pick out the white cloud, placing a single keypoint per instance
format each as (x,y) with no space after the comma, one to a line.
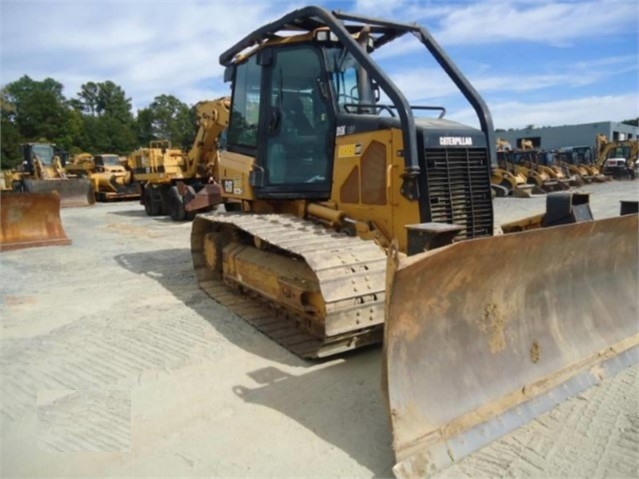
(425,83)
(148,48)
(519,114)
(495,21)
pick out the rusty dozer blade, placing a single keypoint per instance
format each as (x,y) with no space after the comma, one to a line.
(30,220)
(210,195)
(73,192)
(484,335)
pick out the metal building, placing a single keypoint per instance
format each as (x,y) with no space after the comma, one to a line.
(554,137)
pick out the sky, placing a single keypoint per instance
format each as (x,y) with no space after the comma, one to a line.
(535,62)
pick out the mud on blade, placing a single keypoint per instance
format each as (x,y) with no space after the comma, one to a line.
(484,335)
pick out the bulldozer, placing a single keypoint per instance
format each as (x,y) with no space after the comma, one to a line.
(171,179)
(33,195)
(109,178)
(42,171)
(349,222)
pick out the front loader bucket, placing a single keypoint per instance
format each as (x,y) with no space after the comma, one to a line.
(73,192)
(484,335)
(29,220)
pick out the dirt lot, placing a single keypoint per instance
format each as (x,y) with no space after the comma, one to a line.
(114,363)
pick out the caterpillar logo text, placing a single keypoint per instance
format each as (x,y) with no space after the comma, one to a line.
(455,141)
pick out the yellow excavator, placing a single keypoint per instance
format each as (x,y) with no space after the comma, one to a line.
(618,158)
(350,221)
(171,179)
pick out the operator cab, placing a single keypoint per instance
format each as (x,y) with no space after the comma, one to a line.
(42,151)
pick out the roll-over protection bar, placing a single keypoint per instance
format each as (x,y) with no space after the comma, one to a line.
(313,17)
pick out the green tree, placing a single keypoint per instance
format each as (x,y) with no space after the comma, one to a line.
(144,126)
(41,111)
(10,138)
(166,118)
(108,126)
(112,102)
(88,98)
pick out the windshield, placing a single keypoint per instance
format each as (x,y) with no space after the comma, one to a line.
(44,153)
(110,160)
(619,152)
(346,83)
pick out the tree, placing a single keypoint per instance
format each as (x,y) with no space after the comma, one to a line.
(112,101)
(108,126)
(144,126)
(41,110)
(169,118)
(9,136)
(88,98)
(632,122)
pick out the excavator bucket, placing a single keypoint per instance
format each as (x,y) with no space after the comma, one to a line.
(30,220)
(73,192)
(484,335)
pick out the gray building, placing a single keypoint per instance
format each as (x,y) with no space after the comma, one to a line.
(554,137)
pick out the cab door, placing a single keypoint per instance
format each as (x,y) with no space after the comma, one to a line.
(295,147)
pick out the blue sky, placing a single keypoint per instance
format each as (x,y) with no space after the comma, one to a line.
(539,62)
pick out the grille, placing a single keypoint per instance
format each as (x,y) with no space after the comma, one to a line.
(458,186)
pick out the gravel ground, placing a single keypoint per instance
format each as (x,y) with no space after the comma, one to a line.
(114,363)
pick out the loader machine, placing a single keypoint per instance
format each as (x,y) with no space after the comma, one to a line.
(110,179)
(43,171)
(351,220)
(33,195)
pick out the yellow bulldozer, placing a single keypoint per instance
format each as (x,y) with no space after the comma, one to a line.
(109,178)
(171,179)
(42,171)
(32,196)
(350,221)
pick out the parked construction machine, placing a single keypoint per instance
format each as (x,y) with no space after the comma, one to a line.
(359,221)
(579,160)
(171,179)
(32,196)
(42,171)
(109,178)
(619,158)
(505,179)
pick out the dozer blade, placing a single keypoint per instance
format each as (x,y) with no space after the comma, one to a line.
(523,191)
(30,220)
(73,192)
(484,335)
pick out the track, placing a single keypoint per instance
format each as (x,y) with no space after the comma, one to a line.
(350,274)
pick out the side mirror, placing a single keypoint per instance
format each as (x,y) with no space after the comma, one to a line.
(229,73)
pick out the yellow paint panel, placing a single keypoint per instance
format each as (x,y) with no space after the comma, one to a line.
(346,151)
